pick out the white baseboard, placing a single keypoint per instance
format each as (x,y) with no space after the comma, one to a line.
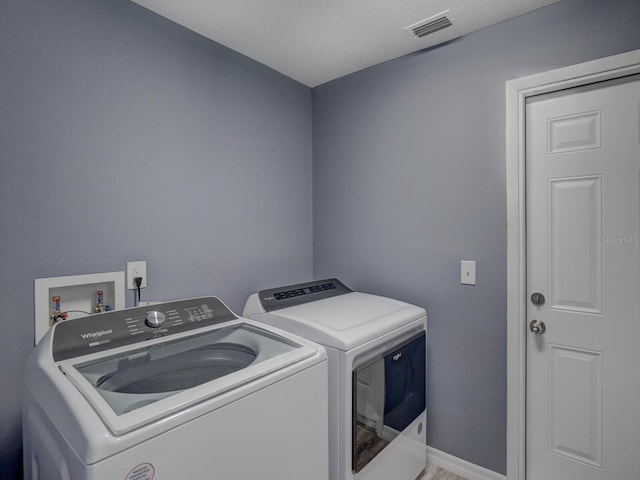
(461,467)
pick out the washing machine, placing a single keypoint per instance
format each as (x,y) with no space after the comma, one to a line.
(183,389)
(376,348)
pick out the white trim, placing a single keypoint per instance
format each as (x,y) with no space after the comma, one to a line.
(456,465)
(517,92)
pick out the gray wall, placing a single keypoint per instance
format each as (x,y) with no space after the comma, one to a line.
(125,137)
(409,179)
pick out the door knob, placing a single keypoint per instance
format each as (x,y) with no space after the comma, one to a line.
(537,327)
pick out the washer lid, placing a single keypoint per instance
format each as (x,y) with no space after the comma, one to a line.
(130,388)
(345,321)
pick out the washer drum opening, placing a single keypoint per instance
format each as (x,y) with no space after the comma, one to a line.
(178,372)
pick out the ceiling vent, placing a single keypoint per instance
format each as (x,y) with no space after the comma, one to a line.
(430,25)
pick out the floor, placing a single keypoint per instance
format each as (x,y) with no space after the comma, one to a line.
(436,473)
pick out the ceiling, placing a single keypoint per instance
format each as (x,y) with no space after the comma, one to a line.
(315,41)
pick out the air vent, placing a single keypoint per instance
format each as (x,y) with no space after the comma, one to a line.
(430,25)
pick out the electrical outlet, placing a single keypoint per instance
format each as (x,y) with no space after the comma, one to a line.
(136,269)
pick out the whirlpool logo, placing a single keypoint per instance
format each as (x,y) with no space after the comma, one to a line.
(96,334)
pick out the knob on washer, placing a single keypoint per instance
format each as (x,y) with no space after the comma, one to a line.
(155,319)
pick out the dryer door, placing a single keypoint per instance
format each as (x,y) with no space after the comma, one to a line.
(388,395)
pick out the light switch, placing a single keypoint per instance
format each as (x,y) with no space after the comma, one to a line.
(467,272)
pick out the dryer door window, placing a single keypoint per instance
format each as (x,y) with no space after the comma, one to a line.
(388,394)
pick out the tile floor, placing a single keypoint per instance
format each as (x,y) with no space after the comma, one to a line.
(436,473)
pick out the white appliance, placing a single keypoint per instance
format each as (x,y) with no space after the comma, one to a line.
(377,373)
(184,389)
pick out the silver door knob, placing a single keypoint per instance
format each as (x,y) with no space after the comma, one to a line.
(537,327)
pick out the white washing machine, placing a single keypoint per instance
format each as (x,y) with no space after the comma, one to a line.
(377,373)
(185,390)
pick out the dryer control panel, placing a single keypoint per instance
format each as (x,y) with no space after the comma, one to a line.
(96,333)
(289,296)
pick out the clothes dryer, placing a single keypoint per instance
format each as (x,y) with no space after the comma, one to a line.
(377,373)
(184,389)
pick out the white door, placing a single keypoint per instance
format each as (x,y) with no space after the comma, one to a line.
(583,256)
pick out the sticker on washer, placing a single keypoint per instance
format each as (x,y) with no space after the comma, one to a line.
(144,471)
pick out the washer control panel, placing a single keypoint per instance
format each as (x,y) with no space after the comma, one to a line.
(103,331)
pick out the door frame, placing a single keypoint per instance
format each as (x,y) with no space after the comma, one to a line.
(517,92)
